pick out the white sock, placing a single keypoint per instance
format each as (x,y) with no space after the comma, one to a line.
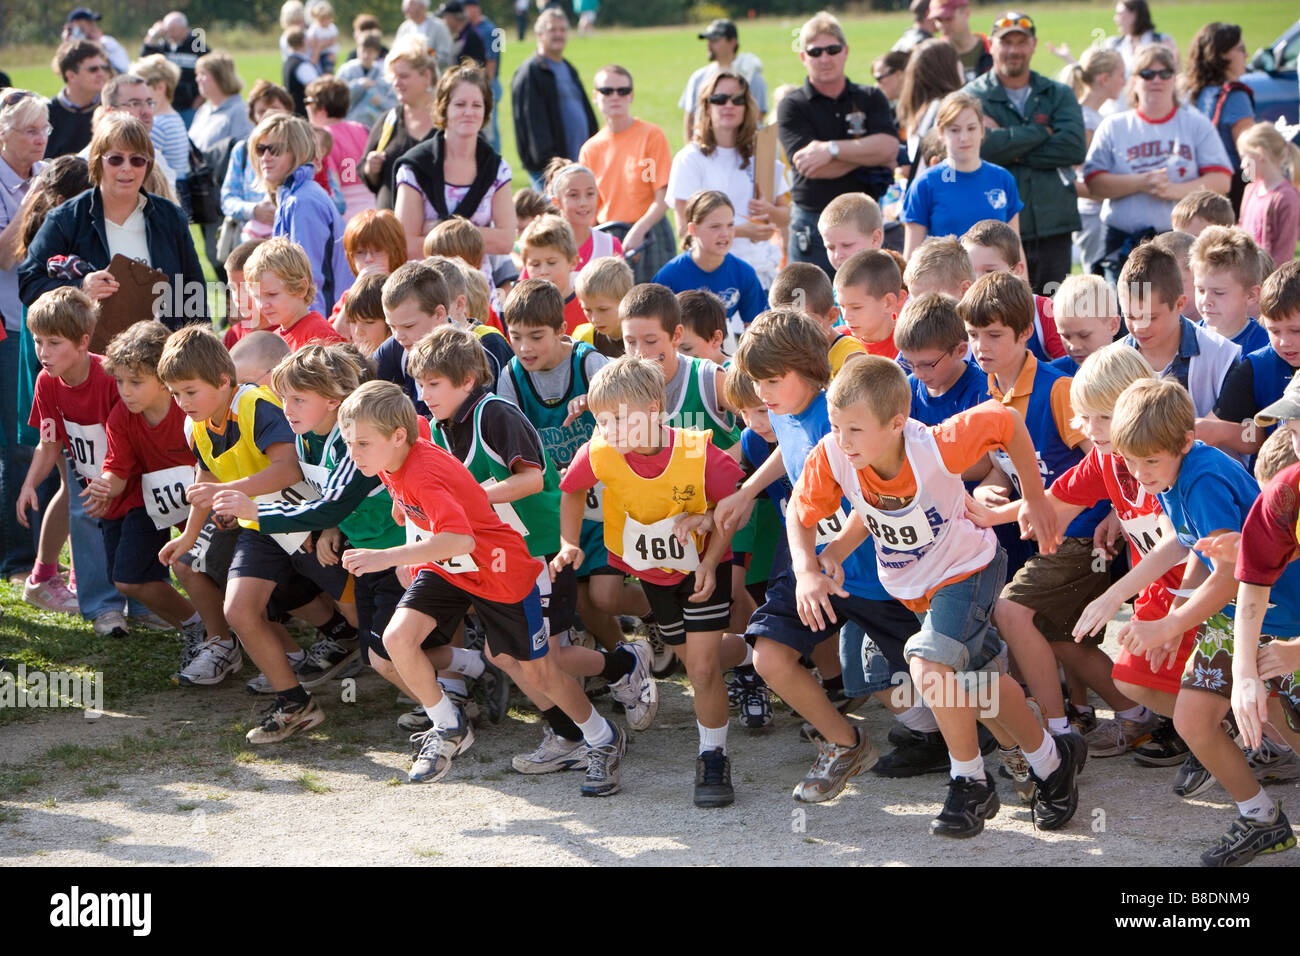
(970,769)
(749,656)
(1058,725)
(192,619)
(469,663)
(1043,761)
(712,738)
(919,718)
(297,657)
(1136,713)
(1260,808)
(597,731)
(444,714)
(451,685)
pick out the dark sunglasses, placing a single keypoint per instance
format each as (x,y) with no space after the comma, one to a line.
(117,159)
(735,99)
(882,76)
(14,97)
(834,49)
(275,149)
(1162,74)
(97,68)
(614,90)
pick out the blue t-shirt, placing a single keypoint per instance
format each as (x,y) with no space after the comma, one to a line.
(797,435)
(734,282)
(967,392)
(1066,364)
(572,115)
(948,202)
(1251,338)
(756,451)
(1237,106)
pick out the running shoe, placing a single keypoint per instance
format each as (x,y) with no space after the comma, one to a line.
(1192,778)
(605,766)
(52,594)
(434,749)
(554,753)
(215,661)
(713,779)
(326,659)
(969,804)
(1163,748)
(636,690)
(1056,798)
(1270,764)
(834,767)
(1247,839)
(110,624)
(1118,735)
(283,719)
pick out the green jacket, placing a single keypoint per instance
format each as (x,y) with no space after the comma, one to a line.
(1041,161)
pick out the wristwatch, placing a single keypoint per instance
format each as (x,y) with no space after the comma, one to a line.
(833,148)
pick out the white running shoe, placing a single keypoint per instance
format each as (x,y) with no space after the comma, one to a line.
(636,690)
(554,753)
(110,624)
(193,637)
(213,664)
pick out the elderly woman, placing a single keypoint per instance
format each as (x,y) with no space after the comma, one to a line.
(1145,159)
(115,217)
(222,114)
(327,107)
(242,197)
(286,154)
(24,131)
(455,172)
(720,157)
(412,73)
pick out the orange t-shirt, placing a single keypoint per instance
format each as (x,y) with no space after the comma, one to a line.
(630,167)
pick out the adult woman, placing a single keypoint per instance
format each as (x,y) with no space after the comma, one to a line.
(1136,30)
(411,72)
(222,114)
(286,152)
(242,197)
(24,131)
(327,104)
(168,131)
(1095,79)
(1216,60)
(1145,159)
(455,172)
(932,72)
(720,157)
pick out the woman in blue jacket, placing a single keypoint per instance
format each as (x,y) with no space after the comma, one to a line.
(284,149)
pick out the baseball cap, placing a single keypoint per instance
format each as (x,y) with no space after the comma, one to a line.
(719,29)
(1013,22)
(1286,408)
(451,6)
(946,8)
(83,13)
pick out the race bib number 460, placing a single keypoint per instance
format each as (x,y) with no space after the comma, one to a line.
(647,546)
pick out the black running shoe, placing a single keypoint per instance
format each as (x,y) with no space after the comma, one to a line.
(914,755)
(1192,778)
(1056,798)
(1074,744)
(713,779)
(969,804)
(1247,839)
(1164,748)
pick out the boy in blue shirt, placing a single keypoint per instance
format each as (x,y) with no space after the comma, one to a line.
(1225,274)
(932,339)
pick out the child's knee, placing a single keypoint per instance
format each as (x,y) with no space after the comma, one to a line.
(128,589)
(1009,612)
(1197,714)
(773,660)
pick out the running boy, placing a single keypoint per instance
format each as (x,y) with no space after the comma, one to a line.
(806,287)
(869,288)
(1087,316)
(550,252)
(851,222)
(279,280)
(601,285)
(932,339)
(1226,273)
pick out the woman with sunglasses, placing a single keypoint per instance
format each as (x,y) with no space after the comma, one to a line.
(720,157)
(1216,62)
(1142,161)
(284,149)
(117,217)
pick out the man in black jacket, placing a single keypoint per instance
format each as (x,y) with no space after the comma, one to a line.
(172,37)
(552,114)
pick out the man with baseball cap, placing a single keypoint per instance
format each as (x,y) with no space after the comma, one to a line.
(952,19)
(1034,129)
(82,23)
(724,47)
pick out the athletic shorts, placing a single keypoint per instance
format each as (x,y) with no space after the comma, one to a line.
(515,630)
(257,555)
(559,597)
(132,543)
(1211,668)
(378,594)
(678,616)
(213,551)
(1057,587)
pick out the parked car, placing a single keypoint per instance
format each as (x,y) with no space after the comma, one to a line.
(1273,78)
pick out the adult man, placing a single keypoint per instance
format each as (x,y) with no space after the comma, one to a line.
(839,136)
(631,161)
(1035,130)
(724,46)
(437,38)
(83,23)
(129,93)
(922,27)
(465,41)
(83,65)
(552,114)
(952,18)
(493,41)
(173,38)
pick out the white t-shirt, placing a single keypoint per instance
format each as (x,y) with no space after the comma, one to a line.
(129,238)
(693,171)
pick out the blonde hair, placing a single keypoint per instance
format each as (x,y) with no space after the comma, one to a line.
(450,353)
(1104,375)
(156,68)
(457,238)
(262,349)
(1205,204)
(194,353)
(629,381)
(785,340)
(1086,297)
(876,382)
(819,23)
(116,130)
(550,232)
(852,209)
(452,276)
(1227,247)
(292,133)
(27,110)
(1152,416)
(384,407)
(1149,54)
(1096,62)
(738,389)
(325,370)
(1265,138)
(1277,452)
(608,276)
(66,312)
(943,262)
(219,65)
(411,51)
(286,260)
(954,104)
(478,291)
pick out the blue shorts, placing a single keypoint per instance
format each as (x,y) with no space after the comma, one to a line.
(958,628)
(515,630)
(133,543)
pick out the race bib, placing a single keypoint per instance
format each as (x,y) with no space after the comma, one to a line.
(87,443)
(164,494)
(647,546)
(1143,532)
(316,476)
(456,564)
(906,532)
(593,508)
(1004,462)
(294,495)
(830,526)
(506,511)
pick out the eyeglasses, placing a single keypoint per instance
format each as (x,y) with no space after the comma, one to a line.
(735,99)
(37,132)
(1023,23)
(1161,74)
(275,149)
(614,90)
(150,103)
(96,68)
(883,76)
(834,49)
(930,366)
(117,159)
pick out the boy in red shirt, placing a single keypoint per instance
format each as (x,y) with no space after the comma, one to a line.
(278,275)
(458,552)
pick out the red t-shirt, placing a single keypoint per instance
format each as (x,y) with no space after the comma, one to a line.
(1101,476)
(721,475)
(135,447)
(1268,537)
(885,348)
(234,334)
(311,328)
(1046,326)
(573,314)
(85,407)
(438,494)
